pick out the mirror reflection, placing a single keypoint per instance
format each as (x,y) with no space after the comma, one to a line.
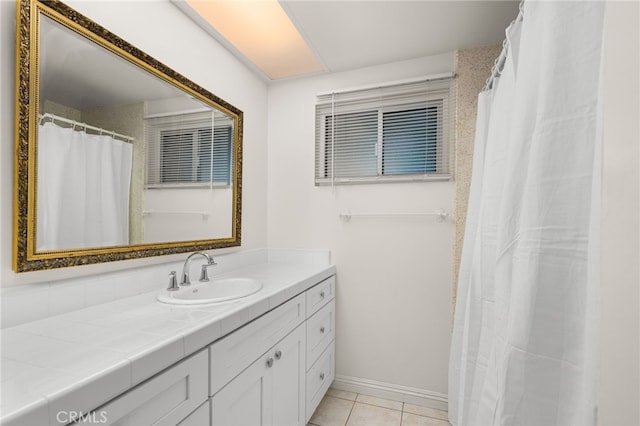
(124,157)
(117,155)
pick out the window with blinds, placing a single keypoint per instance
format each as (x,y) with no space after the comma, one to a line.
(189,150)
(397,132)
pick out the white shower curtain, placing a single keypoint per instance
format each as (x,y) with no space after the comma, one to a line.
(83,185)
(524,344)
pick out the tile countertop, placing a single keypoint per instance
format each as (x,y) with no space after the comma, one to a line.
(79,360)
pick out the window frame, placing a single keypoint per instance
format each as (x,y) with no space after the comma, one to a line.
(442,94)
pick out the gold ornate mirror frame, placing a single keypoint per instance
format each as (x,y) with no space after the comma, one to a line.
(25,256)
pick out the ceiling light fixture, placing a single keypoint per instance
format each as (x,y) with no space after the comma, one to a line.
(263,33)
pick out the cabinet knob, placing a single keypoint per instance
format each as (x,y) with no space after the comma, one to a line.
(322,294)
(270,363)
(278,354)
(322,329)
(321,376)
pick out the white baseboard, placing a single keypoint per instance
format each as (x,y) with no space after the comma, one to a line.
(390,391)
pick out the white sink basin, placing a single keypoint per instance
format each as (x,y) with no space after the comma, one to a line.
(215,291)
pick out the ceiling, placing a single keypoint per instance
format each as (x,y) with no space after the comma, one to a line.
(342,35)
(351,34)
(71,67)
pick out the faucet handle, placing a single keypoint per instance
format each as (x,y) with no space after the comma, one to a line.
(204,275)
(173,282)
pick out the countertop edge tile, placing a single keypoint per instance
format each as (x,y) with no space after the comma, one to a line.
(146,363)
(201,337)
(243,316)
(35,413)
(90,392)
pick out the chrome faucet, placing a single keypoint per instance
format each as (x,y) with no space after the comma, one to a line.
(184,278)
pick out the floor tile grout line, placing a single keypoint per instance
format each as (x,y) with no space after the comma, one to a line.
(339,397)
(353,404)
(379,406)
(426,415)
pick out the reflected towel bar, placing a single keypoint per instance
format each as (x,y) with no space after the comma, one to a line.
(205,215)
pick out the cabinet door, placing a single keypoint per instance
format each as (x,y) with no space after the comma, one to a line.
(245,401)
(200,417)
(232,354)
(269,392)
(288,379)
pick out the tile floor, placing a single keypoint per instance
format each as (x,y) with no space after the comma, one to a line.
(340,408)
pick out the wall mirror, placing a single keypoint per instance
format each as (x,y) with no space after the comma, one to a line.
(117,156)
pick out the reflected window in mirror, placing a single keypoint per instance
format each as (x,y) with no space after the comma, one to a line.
(189,150)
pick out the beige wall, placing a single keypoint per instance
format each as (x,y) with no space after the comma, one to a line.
(472,68)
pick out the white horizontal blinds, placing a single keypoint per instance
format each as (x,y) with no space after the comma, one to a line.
(394,132)
(412,140)
(176,156)
(355,153)
(188,150)
(214,155)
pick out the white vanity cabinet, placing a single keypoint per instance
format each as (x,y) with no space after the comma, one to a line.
(233,353)
(273,370)
(268,391)
(257,371)
(320,345)
(282,384)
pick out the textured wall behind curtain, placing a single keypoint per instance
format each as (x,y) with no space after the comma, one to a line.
(472,68)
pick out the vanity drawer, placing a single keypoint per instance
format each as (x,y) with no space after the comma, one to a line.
(320,294)
(166,399)
(319,378)
(235,352)
(320,331)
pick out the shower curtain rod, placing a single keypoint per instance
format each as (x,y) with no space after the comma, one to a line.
(498,65)
(85,126)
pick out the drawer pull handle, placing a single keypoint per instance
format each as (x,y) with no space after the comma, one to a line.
(321,376)
(278,354)
(270,363)
(321,329)
(322,294)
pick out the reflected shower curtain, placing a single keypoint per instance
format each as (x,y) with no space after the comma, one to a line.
(83,187)
(524,344)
